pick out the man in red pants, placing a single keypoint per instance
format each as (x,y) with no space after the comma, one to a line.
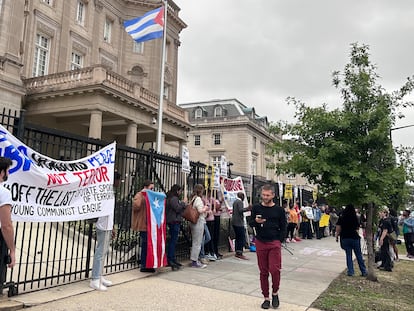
(269,222)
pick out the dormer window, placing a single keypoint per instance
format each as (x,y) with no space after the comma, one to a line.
(218,111)
(198,114)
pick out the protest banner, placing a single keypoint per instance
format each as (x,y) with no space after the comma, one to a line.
(48,190)
(185,162)
(229,189)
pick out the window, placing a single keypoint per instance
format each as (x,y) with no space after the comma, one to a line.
(77,61)
(216,161)
(108,30)
(218,111)
(80,13)
(138,47)
(217,139)
(254,166)
(198,114)
(254,142)
(197,140)
(41,56)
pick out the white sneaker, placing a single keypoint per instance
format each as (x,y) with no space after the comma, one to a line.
(210,257)
(293,240)
(105,282)
(96,284)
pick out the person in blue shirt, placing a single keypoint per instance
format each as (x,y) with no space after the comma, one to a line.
(317,214)
(408,232)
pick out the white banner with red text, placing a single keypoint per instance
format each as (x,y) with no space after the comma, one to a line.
(48,190)
(229,188)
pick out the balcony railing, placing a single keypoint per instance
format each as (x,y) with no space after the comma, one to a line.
(100,75)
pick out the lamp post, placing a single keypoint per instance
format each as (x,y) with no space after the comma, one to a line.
(399,128)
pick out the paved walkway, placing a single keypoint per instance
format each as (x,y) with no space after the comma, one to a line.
(227,284)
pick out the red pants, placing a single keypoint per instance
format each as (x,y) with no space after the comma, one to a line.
(269,259)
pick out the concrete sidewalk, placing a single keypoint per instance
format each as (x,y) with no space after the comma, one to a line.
(230,284)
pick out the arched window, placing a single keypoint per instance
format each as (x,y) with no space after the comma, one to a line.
(218,111)
(198,113)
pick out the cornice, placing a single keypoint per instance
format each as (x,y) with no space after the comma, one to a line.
(102,89)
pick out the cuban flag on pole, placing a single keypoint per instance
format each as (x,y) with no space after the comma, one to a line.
(147,27)
(156,229)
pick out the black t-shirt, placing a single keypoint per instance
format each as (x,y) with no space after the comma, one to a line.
(274,228)
(385,223)
(349,228)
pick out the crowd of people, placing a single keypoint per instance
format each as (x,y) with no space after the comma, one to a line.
(309,221)
(271,226)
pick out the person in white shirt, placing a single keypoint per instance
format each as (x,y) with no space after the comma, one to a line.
(104,226)
(5,211)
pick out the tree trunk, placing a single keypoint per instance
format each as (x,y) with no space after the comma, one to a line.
(372,276)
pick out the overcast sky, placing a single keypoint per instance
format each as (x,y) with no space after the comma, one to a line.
(262,51)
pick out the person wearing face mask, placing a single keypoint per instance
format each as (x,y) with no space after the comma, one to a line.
(6,202)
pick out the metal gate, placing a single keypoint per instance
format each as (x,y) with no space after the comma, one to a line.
(52,254)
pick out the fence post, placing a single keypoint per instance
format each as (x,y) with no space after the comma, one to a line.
(89,249)
(150,165)
(20,127)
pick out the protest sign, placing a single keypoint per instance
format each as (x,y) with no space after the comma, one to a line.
(230,188)
(48,190)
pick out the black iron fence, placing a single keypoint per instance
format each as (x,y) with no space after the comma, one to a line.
(52,254)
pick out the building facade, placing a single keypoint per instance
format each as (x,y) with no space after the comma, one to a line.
(71,65)
(229,128)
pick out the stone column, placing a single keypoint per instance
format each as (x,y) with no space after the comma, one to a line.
(95,124)
(131,138)
(182,144)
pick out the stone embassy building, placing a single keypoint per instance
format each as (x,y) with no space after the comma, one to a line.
(71,66)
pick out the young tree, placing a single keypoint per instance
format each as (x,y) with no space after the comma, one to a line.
(348,151)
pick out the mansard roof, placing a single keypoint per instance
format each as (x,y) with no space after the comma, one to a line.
(231,108)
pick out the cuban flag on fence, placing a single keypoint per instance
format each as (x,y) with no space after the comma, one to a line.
(156,229)
(147,27)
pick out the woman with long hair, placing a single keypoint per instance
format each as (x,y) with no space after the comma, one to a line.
(347,229)
(197,229)
(174,209)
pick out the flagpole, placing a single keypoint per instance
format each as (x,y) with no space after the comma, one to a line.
(160,108)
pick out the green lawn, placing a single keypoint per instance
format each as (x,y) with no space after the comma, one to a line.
(392,292)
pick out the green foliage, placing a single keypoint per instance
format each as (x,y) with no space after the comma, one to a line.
(348,152)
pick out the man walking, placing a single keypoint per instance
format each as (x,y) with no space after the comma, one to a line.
(269,222)
(139,222)
(5,211)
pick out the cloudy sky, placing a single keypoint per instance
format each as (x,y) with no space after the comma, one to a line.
(262,51)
